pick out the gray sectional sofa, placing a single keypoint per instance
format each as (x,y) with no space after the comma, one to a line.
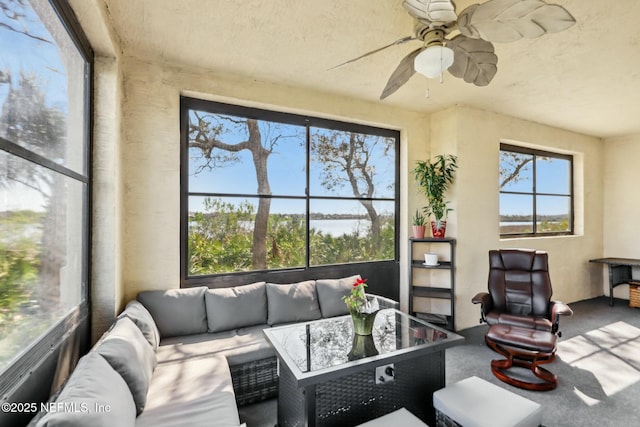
(190,355)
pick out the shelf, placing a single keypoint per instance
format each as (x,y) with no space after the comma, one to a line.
(435,300)
(440,319)
(442,265)
(431,292)
(432,240)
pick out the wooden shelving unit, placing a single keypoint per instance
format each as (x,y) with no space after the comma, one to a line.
(432,288)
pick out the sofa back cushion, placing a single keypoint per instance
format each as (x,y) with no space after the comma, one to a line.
(143,320)
(294,302)
(129,353)
(236,307)
(92,385)
(330,293)
(177,311)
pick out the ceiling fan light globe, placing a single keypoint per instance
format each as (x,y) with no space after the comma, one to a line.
(433,61)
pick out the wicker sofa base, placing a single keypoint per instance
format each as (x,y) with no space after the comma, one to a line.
(255,381)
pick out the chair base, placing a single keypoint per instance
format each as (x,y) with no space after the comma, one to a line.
(524,359)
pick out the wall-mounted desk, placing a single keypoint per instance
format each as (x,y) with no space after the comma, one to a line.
(619,271)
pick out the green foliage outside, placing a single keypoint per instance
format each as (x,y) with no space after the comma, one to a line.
(353,247)
(19,269)
(27,121)
(544,226)
(221,238)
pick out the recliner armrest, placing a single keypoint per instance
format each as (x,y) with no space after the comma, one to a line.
(558,308)
(481,298)
(486,304)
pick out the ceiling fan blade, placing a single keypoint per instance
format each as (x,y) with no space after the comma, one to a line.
(397,42)
(473,60)
(431,10)
(402,74)
(511,20)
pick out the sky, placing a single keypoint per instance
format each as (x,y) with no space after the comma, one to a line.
(553,177)
(21,53)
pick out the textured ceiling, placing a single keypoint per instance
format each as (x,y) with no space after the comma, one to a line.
(585,79)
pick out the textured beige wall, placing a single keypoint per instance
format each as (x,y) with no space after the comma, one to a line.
(477,205)
(107,210)
(107,215)
(151,152)
(621,204)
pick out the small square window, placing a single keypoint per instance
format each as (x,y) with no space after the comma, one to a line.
(536,192)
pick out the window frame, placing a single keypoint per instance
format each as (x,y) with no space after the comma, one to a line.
(534,193)
(35,355)
(231,278)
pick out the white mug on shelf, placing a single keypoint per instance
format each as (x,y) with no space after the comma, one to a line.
(431,259)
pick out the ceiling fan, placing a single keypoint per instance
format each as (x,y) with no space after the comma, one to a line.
(469,54)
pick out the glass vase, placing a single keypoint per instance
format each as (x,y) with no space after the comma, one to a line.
(363,322)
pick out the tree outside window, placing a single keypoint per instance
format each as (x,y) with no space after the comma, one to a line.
(43,178)
(278,191)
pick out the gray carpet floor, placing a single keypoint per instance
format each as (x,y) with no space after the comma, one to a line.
(597,364)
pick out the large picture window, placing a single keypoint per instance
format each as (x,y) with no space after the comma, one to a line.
(536,192)
(44,182)
(267,191)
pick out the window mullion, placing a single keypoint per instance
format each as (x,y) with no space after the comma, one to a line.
(306,191)
(535,195)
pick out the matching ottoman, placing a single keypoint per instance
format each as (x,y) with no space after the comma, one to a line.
(474,402)
(524,348)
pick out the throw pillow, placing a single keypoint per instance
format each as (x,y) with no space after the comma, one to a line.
(129,353)
(92,386)
(294,302)
(236,307)
(143,320)
(177,311)
(330,293)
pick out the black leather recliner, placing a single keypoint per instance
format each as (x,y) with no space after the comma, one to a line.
(520,291)
(523,321)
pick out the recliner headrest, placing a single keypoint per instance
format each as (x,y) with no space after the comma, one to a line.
(518,259)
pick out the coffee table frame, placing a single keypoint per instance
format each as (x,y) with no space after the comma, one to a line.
(348,394)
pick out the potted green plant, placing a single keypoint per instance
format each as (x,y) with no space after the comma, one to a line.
(419,224)
(433,177)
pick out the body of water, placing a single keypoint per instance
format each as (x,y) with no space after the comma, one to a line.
(338,227)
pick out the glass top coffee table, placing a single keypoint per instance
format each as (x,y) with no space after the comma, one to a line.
(331,377)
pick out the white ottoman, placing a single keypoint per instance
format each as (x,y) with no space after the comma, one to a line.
(474,402)
(399,418)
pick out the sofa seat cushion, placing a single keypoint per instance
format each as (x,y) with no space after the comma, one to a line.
(194,392)
(177,311)
(295,302)
(92,386)
(236,307)
(239,346)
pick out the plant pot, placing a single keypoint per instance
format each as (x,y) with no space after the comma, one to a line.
(418,231)
(438,229)
(363,322)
